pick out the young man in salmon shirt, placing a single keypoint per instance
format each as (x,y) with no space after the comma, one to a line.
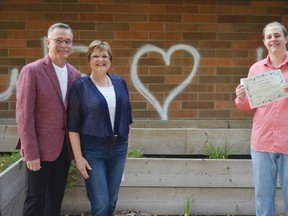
(269,139)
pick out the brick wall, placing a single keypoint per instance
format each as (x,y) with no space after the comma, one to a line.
(225,33)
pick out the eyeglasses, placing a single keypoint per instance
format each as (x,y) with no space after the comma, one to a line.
(104,57)
(59,41)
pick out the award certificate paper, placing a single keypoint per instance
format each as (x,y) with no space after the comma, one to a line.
(264,88)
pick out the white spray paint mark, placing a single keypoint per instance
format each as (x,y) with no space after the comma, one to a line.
(259,51)
(80,49)
(12,85)
(43,45)
(163,110)
(14,72)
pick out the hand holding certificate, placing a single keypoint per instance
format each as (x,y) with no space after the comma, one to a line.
(264,88)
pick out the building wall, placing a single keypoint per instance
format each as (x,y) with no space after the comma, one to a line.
(224,37)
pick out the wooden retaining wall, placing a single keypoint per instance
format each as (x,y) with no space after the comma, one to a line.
(161,185)
(13,189)
(188,141)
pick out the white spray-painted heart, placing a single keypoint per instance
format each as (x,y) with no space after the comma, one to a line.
(163,111)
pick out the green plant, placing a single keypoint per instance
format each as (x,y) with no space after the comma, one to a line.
(187,209)
(7,159)
(135,153)
(73,176)
(218,152)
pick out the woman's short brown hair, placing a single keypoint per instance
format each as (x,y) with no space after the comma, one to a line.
(101,45)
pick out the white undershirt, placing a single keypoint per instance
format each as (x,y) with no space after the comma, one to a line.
(63,79)
(109,95)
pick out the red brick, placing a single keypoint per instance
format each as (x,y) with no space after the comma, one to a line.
(95,1)
(165,18)
(224,105)
(216,62)
(95,17)
(129,17)
(12,43)
(12,7)
(151,27)
(165,36)
(200,18)
(25,52)
(182,9)
(140,8)
(268,4)
(131,35)
(227,27)
(113,8)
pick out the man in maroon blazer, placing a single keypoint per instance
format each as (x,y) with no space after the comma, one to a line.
(41,104)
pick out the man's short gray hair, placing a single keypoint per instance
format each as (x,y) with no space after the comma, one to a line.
(57,25)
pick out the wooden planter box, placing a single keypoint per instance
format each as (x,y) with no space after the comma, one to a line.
(215,187)
(13,189)
(161,186)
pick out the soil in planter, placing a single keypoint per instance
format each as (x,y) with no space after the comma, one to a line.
(193,156)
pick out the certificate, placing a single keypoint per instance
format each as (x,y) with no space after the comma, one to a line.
(264,88)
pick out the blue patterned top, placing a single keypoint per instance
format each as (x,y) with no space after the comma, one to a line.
(88,112)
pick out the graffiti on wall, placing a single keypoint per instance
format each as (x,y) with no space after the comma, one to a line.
(15,72)
(12,85)
(162,110)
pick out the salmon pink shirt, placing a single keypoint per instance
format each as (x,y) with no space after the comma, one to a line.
(270,122)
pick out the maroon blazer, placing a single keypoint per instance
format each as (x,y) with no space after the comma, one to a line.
(40,110)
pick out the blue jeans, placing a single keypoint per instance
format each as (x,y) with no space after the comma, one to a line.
(266,166)
(107,162)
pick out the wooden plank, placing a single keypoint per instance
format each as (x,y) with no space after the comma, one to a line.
(8,144)
(161,186)
(157,172)
(205,201)
(8,138)
(7,121)
(239,139)
(159,141)
(172,141)
(16,206)
(192,123)
(12,183)
(188,141)
(188,173)
(2,130)
(11,131)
